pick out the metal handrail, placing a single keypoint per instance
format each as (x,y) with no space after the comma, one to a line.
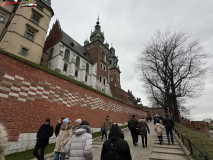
(203,154)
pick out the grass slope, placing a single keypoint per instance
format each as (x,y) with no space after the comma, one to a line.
(203,142)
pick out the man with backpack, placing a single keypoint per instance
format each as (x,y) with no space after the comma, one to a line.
(133,127)
(168,123)
(115,148)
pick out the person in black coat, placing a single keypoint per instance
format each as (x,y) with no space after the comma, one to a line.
(168,123)
(58,126)
(133,125)
(116,137)
(43,135)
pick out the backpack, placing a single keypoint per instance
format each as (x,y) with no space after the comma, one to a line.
(112,152)
(132,124)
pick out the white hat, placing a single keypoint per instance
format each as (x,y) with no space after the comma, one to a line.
(78,121)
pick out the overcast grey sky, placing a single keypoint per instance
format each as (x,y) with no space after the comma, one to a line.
(128,24)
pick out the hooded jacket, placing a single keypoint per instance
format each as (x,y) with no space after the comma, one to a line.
(79,146)
(143,127)
(116,136)
(159,129)
(44,133)
(3,141)
(63,137)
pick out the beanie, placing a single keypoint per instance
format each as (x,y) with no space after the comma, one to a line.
(66,120)
(47,120)
(78,121)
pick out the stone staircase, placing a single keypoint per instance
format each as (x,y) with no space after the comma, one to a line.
(167,152)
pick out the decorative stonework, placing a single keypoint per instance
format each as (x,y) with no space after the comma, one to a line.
(16,86)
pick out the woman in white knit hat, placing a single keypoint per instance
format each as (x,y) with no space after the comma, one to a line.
(77,122)
(63,137)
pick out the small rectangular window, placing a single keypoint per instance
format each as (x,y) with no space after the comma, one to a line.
(30,33)
(36,16)
(65,67)
(24,51)
(2,17)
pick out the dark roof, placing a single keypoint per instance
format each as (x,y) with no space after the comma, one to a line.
(75,46)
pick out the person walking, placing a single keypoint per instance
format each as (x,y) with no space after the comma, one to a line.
(143,128)
(43,135)
(3,141)
(115,147)
(103,131)
(64,136)
(168,123)
(107,125)
(159,130)
(133,125)
(79,146)
(58,126)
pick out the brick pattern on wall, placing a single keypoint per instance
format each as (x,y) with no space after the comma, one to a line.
(29,95)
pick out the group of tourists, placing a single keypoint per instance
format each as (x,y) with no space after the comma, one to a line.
(75,140)
(140,127)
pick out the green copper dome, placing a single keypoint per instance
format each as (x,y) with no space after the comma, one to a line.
(107,45)
(97,34)
(86,42)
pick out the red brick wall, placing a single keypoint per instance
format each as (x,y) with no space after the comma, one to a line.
(25,103)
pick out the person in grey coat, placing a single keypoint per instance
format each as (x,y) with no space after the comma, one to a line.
(79,146)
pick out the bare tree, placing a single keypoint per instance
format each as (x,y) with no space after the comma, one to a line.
(172,67)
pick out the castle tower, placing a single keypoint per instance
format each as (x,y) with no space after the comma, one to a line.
(99,53)
(26,30)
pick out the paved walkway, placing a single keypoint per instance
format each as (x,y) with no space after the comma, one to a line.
(154,151)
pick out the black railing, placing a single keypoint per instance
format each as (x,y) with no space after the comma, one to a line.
(194,150)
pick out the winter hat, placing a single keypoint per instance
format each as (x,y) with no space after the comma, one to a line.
(66,120)
(78,121)
(47,120)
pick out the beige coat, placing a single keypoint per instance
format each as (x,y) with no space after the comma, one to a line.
(159,129)
(63,137)
(3,141)
(107,125)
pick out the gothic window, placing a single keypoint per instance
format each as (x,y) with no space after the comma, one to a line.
(77,62)
(101,66)
(2,17)
(51,53)
(104,81)
(87,68)
(100,79)
(103,56)
(67,55)
(86,78)
(110,62)
(65,67)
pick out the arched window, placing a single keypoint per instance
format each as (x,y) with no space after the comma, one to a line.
(77,62)
(76,73)
(67,55)
(110,62)
(104,81)
(50,55)
(86,78)
(87,68)
(103,56)
(100,79)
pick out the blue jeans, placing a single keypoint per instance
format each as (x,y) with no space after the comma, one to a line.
(56,156)
(169,131)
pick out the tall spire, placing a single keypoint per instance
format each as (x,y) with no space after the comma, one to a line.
(97,34)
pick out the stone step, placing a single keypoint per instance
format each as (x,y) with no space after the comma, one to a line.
(168,151)
(167,146)
(161,156)
(166,143)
